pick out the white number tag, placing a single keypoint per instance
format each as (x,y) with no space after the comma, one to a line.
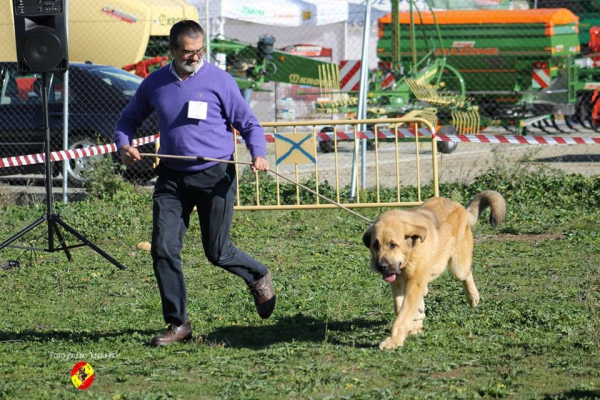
(197,109)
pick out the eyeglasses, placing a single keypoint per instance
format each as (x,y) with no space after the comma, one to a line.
(191,53)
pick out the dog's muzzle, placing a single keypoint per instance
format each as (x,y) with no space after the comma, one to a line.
(382,267)
(387,272)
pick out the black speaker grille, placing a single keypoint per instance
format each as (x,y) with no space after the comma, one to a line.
(42,51)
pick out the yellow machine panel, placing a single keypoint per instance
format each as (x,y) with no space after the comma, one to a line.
(113,32)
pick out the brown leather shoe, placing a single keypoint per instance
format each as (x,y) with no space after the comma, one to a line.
(264,296)
(173,334)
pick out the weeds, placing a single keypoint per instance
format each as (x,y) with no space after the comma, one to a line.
(103,180)
(7,197)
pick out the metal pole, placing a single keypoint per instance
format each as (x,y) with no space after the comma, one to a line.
(207,30)
(65,99)
(48,170)
(413,47)
(65,163)
(362,101)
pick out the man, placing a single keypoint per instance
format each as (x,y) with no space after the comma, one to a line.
(197,104)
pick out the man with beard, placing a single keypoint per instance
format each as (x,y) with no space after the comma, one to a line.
(197,105)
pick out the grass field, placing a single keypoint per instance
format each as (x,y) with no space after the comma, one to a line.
(535,334)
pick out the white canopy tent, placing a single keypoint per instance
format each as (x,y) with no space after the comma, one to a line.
(290,22)
(277,12)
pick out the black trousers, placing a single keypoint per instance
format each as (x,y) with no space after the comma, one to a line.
(212,192)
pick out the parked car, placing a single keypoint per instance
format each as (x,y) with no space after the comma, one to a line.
(97,95)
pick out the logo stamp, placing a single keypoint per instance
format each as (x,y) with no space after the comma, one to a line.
(82,375)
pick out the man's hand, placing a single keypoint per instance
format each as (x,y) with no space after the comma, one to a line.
(259,164)
(129,154)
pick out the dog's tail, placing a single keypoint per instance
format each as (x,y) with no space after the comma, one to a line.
(485,199)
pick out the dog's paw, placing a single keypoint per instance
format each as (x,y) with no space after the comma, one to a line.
(473,300)
(416,328)
(389,344)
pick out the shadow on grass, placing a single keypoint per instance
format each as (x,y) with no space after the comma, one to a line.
(575,394)
(299,328)
(91,336)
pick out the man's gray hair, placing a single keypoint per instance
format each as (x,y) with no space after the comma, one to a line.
(187,28)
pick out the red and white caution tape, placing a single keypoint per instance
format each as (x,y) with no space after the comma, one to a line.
(516,139)
(410,133)
(69,154)
(321,136)
(381,134)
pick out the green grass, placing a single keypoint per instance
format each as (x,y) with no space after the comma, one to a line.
(535,335)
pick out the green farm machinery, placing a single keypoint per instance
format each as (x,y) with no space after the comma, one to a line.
(516,67)
(253,65)
(471,69)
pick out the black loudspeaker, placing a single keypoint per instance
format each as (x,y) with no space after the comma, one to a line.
(41,35)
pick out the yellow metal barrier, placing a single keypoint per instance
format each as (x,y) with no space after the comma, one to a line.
(394,154)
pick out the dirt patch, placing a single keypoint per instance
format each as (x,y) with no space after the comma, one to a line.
(529,238)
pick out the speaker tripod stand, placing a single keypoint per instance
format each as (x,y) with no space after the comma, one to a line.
(54,221)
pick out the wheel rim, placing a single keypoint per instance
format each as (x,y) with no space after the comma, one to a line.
(77,167)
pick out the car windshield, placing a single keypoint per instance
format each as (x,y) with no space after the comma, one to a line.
(123,81)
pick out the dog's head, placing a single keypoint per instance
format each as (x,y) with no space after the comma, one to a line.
(391,241)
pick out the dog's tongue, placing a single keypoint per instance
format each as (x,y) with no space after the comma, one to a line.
(389,278)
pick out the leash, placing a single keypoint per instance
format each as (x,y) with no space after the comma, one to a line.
(200,158)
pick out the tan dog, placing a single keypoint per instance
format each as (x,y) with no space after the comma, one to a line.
(411,248)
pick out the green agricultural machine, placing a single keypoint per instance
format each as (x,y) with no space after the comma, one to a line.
(253,65)
(516,67)
(471,69)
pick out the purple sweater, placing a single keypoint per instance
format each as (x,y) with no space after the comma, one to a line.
(210,88)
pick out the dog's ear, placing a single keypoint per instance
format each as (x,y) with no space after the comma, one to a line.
(416,232)
(367,237)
